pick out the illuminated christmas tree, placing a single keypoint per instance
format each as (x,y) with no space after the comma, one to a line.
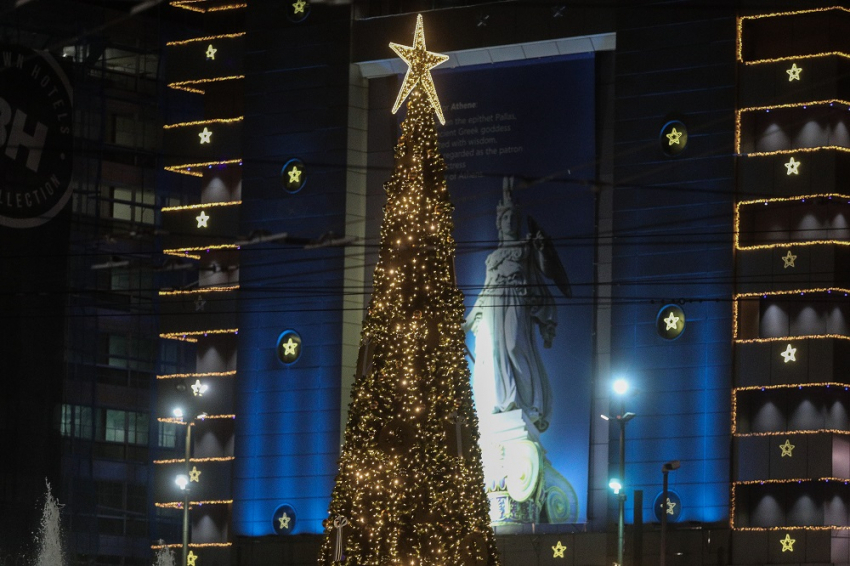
(410,489)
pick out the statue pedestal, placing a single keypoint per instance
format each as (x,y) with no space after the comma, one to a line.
(521,483)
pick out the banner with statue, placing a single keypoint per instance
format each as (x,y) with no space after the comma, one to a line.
(520,152)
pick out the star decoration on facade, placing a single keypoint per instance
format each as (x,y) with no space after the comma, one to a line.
(787,448)
(420,62)
(794,72)
(200,303)
(792,167)
(206,136)
(298,8)
(674,137)
(290,347)
(198,388)
(788,543)
(790,354)
(211,52)
(671,505)
(671,321)
(202,219)
(284,521)
(294,175)
(558,550)
(191,558)
(789,260)
(195,475)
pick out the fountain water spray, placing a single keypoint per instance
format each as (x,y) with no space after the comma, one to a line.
(50,535)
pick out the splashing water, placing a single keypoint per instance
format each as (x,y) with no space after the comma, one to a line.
(164,556)
(50,535)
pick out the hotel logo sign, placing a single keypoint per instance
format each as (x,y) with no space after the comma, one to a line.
(35,137)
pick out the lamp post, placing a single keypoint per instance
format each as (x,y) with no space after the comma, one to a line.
(665,469)
(620,387)
(182,482)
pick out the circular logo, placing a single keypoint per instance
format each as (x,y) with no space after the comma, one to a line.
(670,322)
(289,346)
(283,520)
(673,137)
(36,140)
(293,175)
(671,506)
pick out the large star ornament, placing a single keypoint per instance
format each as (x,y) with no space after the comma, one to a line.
(284,521)
(787,543)
(787,448)
(191,559)
(211,52)
(206,135)
(790,354)
(294,175)
(420,62)
(298,8)
(195,474)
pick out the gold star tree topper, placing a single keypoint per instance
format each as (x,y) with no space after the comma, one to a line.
(420,61)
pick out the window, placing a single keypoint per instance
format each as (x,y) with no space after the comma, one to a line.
(77,422)
(125,427)
(167,435)
(133,204)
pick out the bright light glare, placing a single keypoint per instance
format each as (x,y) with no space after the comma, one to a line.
(182,481)
(178,412)
(621,386)
(615,485)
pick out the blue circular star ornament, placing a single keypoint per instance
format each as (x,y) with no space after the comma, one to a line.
(673,138)
(670,322)
(283,520)
(289,346)
(672,506)
(293,176)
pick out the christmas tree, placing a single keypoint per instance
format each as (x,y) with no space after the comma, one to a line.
(410,489)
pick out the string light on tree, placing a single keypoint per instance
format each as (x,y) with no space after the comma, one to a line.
(410,493)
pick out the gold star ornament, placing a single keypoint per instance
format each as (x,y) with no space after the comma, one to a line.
(787,543)
(674,136)
(558,550)
(195,474)
(420,61)
(294,175)
(789,259)
(191,559)
(792,167)
(786,448)
(211,52)
(290,347)
(794,72)
(206,136)
(284,521)
(298,8)
(671,507)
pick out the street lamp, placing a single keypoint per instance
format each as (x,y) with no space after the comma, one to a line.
(182,482)
(621,387)
(665,469)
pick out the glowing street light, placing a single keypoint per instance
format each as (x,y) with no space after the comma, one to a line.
(620,387)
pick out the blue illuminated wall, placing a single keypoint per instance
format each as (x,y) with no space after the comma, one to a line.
(532,121)
(287,424)
(673,242)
